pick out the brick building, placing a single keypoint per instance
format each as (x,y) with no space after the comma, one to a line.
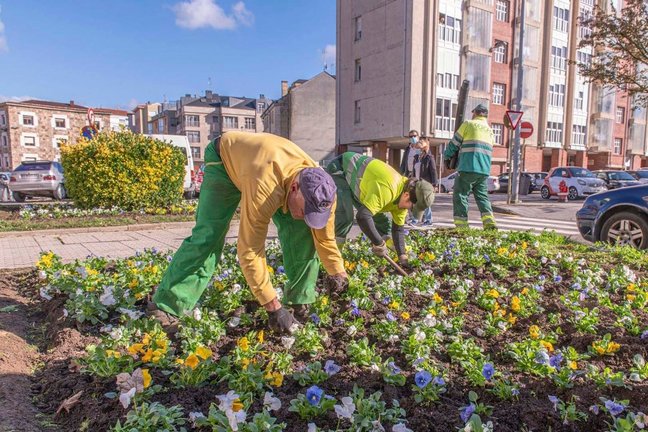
(34,129)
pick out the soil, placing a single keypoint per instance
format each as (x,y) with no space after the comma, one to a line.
(38,334)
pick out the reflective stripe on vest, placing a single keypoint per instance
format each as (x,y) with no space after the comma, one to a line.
(354,171)
(476,146)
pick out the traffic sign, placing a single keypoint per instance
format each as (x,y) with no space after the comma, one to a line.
(526,130)
(90,116)
(514,118)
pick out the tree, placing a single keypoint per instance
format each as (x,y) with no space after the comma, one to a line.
(620,48)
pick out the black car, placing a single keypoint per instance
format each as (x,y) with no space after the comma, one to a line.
(617,216)
(641,175)
(616,179)
(504,181)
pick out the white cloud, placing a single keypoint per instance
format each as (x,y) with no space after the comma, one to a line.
(328,56)
(194,14)
(4,47)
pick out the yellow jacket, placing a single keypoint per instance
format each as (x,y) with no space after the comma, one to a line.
(262,166)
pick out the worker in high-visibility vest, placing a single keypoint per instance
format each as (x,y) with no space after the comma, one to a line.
(474,142)
(374,188)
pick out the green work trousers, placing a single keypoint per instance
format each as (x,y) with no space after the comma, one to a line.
(345,204)
(465,183)
(194,262)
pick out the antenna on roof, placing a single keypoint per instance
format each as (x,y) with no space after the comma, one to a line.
(209,83)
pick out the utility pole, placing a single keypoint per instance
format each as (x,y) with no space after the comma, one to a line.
(514,176)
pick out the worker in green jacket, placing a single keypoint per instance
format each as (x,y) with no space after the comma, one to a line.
(474,141)
(374,188)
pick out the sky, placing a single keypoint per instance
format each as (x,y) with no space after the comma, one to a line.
(119,53)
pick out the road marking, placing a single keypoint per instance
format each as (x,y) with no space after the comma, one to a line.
(566,228)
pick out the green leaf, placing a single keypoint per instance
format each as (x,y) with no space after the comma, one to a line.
(10,308)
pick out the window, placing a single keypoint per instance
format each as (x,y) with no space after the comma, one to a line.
(230,122)
(29,141)
(578,134)
(97,124)
(502,10)
(617,145)
(192,120)
(446,111)
(6,162)
(559,58)
(499,93)
(260,108)
(620,114)
(358,27)
(501,52)
(584,58)
(579,100)
(557,95)
(448,80)
(161,125)
(60,123)
(28,120)
(356,112)
(554,132)
(195,152)
(58,140)
(3,120)
(358,70)
(149,127)
(561,19)
(250,123)
(584,15)
(193,136)
(498,131)
(449,29)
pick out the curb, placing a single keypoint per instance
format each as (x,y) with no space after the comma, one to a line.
(116,228)
(504,210)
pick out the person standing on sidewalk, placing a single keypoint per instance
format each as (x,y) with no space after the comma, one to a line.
(425,168)
(474,142)
(374,189)
(412,150)
(272,179)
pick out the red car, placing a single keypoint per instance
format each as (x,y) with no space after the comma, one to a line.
(199,179)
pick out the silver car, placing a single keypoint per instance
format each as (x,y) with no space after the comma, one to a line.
(38,178)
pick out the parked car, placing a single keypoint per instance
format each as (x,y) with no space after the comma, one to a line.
(446,184)
(616,179)
(538,180)
(579,181)
(38,178)
(618,216)
(503,180)
(640,175)
(182,142)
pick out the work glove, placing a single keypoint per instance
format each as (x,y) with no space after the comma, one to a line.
(403,260)
(282,321)
(335,285)
(380,250)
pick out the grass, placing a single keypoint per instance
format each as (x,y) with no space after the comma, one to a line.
(88,222)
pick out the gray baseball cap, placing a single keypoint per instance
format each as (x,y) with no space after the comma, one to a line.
(319,191)
(424,198)
(480,109)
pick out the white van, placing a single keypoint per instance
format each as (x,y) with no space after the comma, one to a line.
(182,142)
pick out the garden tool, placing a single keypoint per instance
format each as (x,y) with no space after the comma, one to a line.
(398,268)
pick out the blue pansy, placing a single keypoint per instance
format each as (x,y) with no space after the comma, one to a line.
(614,407)
(466,412)
(488,371)
(331,368)
(314,395)
(422,378)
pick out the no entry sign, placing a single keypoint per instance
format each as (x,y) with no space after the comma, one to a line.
(526,130)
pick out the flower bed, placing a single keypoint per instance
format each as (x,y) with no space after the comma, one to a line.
(37,212)
(505,331)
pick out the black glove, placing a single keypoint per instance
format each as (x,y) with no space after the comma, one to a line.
(281,321)
(335,285)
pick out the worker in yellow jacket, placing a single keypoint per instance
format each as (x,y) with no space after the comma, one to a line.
(272,179)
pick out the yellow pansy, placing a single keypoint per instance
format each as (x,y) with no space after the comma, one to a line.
(571,364)
(437,298)
(394,305)
(512,319)
(245,362)
(515,304)
(147,377)
(493,293)
(534,332)
(631,297)
(276,379)
(203,352)
(405,315)
(135,348)
(192,361)
(612,347)
(270,270)
(148,355)
(524,245)
(261,336)
(243,343)
(547,345)
(179,361)
(325,301)
(525,291)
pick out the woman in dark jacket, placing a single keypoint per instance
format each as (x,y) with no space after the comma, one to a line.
(425,168)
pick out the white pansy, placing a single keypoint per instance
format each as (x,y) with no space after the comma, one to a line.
(107,298)
(42,274)
(352,330)
(419,335)
(195,415)
(130,313)
(44,293)
(543,260)
(287,341)
(236,288)
(125,398)
(400,427)
(65,313)
(117,333)
(234,321)
(312,427)
(376,426)
(429,320)
(346,410)
(271,402)
(197,314)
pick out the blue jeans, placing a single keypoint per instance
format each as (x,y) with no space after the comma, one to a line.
(427,216)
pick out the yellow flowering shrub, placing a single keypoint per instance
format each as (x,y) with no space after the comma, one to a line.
(123,169)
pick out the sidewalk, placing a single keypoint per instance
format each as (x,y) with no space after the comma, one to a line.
(20,250)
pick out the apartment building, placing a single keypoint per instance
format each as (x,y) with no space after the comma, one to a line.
(305,114)
(401,62)
(202,118)
(142,115)
(35,129)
